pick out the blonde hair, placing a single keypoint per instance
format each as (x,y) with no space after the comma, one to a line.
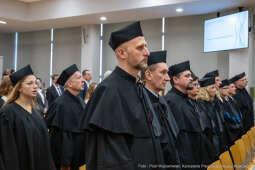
(14,95)
(204,95)
(90,91)
(5,86)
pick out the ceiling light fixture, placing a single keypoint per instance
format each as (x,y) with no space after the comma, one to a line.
(179,10)
(103,18)
(3,22)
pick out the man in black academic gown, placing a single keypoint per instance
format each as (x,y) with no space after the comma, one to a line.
(219,110)
(244,100)
(189,143)
(121,133)
(155,78)
(63,118)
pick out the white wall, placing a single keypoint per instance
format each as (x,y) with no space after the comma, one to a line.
(34,49)
(67,48)
(6,49)
(90,52)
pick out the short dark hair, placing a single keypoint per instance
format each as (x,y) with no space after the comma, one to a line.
(53,76)
(85,71)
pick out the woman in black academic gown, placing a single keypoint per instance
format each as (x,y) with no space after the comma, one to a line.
(24,143)
(208,153)
(205,97)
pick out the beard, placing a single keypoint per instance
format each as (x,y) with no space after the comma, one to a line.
(189,86)
(141,66)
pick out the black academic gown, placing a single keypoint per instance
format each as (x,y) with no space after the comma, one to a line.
(119,135)
(217,107)
(209,153)
(235,106)
(67,140)
(233,122)
(170,130)
(216,129)
(24,143)
(245,103)
(1,102)
(190,140)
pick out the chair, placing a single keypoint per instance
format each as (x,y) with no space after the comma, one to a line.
(215,166)
(226,161)
(236,155)
(82,167)
(242,150)
(247,145)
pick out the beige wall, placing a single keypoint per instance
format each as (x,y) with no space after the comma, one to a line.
(67,48)
(34,49)
(7,49)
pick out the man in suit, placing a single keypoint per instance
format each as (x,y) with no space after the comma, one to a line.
(87,77)
(41,98)
(54,91)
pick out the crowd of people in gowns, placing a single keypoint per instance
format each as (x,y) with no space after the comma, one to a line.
(124,124)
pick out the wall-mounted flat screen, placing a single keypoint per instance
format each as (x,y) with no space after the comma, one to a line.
(226,33)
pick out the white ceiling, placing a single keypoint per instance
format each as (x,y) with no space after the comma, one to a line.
(46,14)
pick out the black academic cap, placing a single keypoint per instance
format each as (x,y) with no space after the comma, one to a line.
(237,77)
(206,81)
(157,57)
(125,34)
(20,74)
(224,83)
(66,74)
(178,68)
(214,74)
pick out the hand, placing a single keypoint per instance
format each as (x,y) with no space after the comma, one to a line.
(65,167)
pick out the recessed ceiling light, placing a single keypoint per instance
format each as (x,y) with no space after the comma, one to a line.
(3,22)
(179,10)
(103,18)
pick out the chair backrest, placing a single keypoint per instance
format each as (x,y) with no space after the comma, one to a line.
(226,161)
(236,155)
(242,150)
(252,139)
(215,166)
(247,145)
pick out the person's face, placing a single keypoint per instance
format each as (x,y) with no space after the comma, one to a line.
(136,53)
(212,91)
(29,86)
(195,88)
(158,77)
(184,80)
(224,91)
(232,89)
(88,76)
(76,82)
(242,83)
(55,79)
(217,83)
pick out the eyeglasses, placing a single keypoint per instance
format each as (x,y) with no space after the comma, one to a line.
(196,85)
